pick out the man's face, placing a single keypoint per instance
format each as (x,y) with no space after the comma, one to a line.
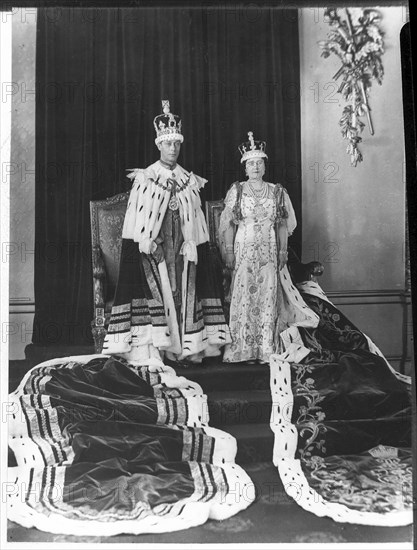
(169,150)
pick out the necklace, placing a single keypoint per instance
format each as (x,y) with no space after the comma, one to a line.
(260,193)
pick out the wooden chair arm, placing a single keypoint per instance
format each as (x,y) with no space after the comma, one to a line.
(99,278)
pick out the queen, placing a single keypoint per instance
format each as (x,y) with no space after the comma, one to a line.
(254,227)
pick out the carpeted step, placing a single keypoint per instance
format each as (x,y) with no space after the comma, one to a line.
(254,441)
(239,407)
(246,406)
(212,375)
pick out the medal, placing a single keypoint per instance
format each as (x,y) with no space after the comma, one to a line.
(173,201)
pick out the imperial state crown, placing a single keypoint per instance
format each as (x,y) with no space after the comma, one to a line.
(167,125)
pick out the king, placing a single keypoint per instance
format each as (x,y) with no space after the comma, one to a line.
(168,302)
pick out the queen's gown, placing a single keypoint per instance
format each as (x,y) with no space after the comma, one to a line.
(257,297)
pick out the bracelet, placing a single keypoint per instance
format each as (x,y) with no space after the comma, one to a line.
(284,253)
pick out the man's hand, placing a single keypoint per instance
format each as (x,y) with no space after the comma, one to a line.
(158,254)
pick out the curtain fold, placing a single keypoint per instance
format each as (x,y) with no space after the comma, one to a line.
(101,75)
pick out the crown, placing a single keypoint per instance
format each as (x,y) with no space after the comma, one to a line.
(252,149)
(167,126)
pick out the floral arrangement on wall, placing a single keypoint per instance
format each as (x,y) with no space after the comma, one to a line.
(357,39)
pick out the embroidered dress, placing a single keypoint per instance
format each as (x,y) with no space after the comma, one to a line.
(257,295)
(174,306)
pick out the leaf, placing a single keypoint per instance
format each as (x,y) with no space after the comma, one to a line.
(333,35)
(362,65)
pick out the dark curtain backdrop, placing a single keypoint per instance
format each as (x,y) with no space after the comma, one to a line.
(101,75)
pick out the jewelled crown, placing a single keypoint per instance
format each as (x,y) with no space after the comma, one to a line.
(252,149)
(167,126)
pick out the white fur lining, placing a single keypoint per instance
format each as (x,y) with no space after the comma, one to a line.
(234,491)
(286,434)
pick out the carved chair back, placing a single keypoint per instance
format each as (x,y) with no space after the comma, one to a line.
(213,212)
(106,217)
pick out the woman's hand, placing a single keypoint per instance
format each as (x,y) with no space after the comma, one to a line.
(158,254)
(282,259)
(230,260)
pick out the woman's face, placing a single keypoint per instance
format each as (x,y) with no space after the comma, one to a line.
(255,168)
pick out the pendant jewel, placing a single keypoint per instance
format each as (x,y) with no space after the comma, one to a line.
(173,203)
